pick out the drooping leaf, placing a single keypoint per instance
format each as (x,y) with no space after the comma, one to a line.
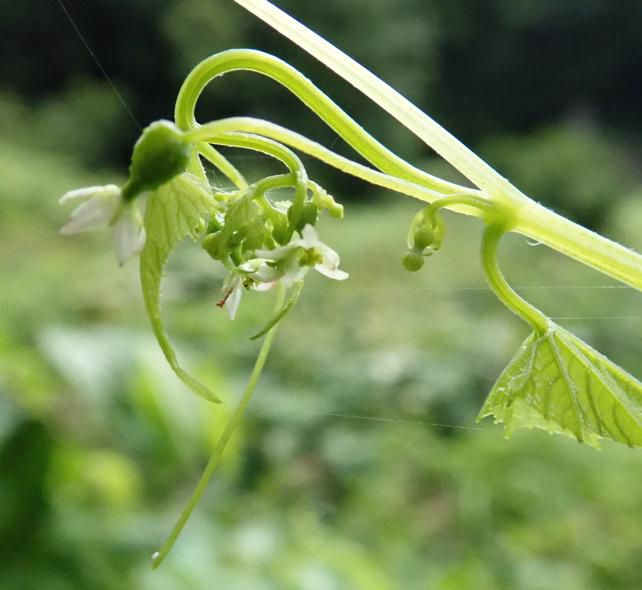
(559,383)
(178,209)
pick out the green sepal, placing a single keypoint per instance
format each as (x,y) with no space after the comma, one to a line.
(559,383)
(300,216)
(159,155)
(175,211)
(309,216)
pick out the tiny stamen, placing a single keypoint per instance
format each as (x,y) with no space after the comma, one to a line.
(222,302)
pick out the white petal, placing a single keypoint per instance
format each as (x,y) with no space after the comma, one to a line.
(233,300)
(294,275)
(129,235)
(332,273)
(310,237)
(249,265)
(84,194)
(330,257)
(98,210)
(263,286)
(266,273)
(280,252)
(275,254)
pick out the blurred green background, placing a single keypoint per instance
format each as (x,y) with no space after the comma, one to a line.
(360,464)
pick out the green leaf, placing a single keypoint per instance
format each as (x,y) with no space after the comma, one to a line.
(178,209)
(559,383)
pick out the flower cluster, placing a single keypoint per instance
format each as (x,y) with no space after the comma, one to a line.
(159,155)
(264,243)
(286,265)
(259,241)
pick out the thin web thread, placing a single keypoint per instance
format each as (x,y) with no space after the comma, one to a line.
(527,288)
(385,419)
(99,65)
(400,421)
(486,289)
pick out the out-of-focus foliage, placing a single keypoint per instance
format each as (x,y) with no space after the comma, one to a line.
(100,444)
(481,68)
(550,165)
(515,65)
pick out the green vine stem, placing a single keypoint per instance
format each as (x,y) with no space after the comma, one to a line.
(398,106)
(277,151)
(263,145)
(530,218)
(337,119)
(489,211)
(505,293)
(229,127)
(215,459)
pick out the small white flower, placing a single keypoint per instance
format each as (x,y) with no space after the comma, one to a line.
(264,277)
(323,258)
(102,206)
(254,274)
(286,265)
(98,207)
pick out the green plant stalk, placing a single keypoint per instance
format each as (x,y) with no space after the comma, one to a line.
(220,132)
(258,144)
(433,134)
(528,218)
(337,119)
(277,151)
(504,292)
(215,459)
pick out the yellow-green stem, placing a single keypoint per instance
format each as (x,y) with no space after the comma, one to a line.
(346,127)
(505,293)
(215,459)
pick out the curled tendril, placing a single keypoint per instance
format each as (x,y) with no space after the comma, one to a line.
(427,228)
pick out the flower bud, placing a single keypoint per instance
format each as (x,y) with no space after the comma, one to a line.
(280,229)
(423,238)
(309,215)
(215,224)
(212,245)
(323,200)
(159,155)
(412,261)
(306,215)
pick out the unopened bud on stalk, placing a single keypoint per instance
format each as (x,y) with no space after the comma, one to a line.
(159,155)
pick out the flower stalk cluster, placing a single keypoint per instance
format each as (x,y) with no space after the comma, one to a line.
(264,242)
